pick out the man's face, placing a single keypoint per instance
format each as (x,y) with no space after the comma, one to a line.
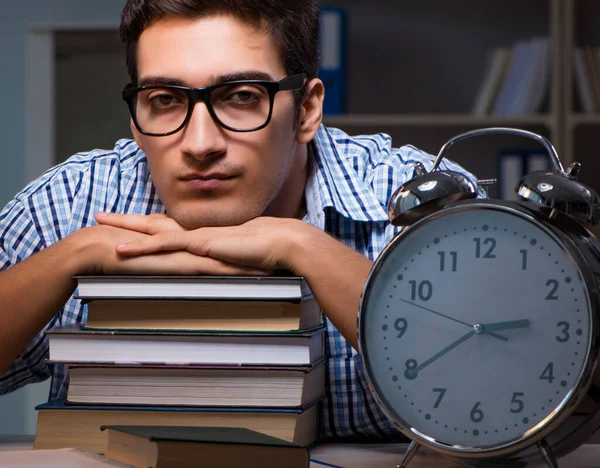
(206,175)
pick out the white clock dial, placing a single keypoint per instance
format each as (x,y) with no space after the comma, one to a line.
(476,328)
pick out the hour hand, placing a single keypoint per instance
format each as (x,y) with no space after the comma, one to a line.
(509,325)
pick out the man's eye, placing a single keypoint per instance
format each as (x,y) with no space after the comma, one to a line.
(164,100)
(243,97)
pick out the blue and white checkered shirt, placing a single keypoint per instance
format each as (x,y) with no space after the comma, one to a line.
(346,194)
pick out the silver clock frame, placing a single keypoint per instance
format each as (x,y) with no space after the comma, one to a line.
(578,415)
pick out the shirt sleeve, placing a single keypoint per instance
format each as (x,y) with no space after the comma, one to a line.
(20,239)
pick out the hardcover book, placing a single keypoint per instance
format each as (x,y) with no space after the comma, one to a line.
(74,426)
(197,447)
(152,385)
(71,344)
(281,288)
(142,314)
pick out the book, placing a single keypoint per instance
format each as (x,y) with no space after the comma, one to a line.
(535,79)
(332,53)
(247,386)
(514,164)
(197,447)
(583,81)
(58,458)
(72,344)
(73,426)
(511,170)
(591,65)
(495,71)
(161,314)
(284,288)
(523,52)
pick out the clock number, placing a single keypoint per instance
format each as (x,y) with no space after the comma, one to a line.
(565,332)
(442,392)
(490,252)
(518,402)
(401,325)
(524,254)
(424,291)
(411,370)
(552,294)
(548,373)
(476,413)
(453,258)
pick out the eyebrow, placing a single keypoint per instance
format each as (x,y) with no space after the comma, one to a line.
(239,76)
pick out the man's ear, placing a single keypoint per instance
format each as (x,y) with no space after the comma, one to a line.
(311,111)
(136,135)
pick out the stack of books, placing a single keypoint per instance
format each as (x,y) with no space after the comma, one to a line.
(188,351)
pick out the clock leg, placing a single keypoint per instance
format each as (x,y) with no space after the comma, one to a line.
(412,450)
(547,454)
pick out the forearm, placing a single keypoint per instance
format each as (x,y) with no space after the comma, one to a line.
(31,292)
(336,275)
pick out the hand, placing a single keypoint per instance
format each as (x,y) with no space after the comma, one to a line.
(264,243)
(485,330)
(94,251)
(510,325)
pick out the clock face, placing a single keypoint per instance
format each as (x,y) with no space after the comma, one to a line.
(475,328)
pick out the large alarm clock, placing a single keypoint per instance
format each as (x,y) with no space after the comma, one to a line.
(479,321)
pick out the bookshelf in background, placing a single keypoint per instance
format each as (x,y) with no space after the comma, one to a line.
(582,86)
(414,71)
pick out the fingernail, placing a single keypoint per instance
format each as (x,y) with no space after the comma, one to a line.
(101,214)
(123,246)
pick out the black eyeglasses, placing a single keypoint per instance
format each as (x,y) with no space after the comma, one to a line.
(239,106)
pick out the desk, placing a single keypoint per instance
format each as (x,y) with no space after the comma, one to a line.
(373,455)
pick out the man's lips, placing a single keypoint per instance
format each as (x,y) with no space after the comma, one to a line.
(211,176)
(206,181)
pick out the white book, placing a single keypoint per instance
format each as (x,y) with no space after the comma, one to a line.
(144,384)
(583,82)
(511,172)
(538,162)
(525,83)
(284,288)
(520,58)
(494,75)
(73,344)
(537,83)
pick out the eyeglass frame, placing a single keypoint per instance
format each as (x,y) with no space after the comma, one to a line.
(291,83)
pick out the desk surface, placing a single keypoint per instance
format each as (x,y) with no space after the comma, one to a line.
(390,455)
(373,455)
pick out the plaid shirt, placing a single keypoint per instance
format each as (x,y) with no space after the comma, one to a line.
(347,193)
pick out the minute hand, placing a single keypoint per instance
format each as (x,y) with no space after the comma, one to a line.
(491,333)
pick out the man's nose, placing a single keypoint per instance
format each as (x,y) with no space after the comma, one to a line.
(202,135)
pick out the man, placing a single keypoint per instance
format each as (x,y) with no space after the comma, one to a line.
(231,172)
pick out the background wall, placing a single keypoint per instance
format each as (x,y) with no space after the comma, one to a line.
(17,19)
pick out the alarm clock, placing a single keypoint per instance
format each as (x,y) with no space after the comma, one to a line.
(478,326)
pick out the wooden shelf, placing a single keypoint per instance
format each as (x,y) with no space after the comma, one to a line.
(584,119)
(435,120)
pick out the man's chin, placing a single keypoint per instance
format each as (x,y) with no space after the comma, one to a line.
(194,221)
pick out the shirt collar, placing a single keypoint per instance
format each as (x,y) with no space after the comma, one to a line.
(334,183)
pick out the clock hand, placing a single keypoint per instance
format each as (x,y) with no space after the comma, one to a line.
(491,333)
(412,373)
(477,329)
(510,325)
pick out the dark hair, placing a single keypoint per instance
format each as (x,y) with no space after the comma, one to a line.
(293,25)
